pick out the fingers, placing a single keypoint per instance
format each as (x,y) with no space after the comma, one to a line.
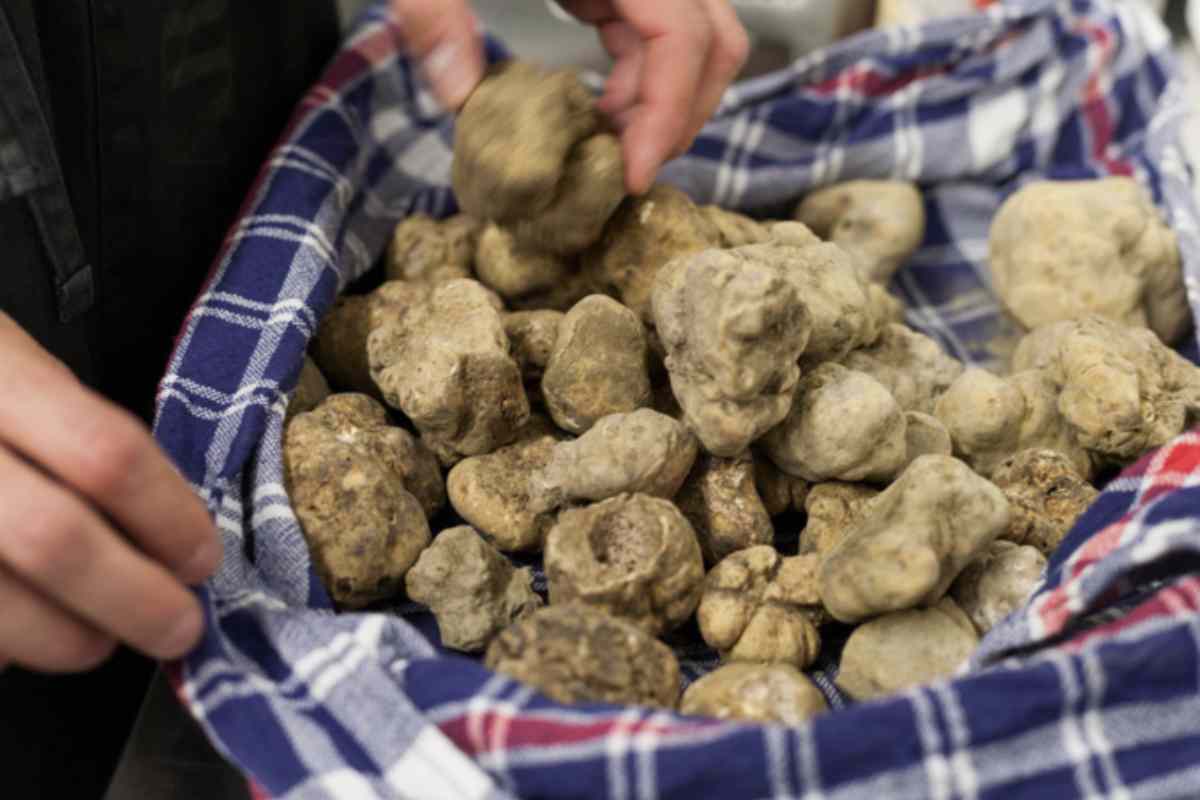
(676,40)
(104,454)
(673,61)
(625,46)
(443,36)
(730,47)
(61,550)
(39,635)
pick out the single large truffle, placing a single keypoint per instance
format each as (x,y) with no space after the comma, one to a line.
(998,583)
(721,501)
(446,364)
(834,509)
(880,223)
(432,251)
(643,236)
(759,606)
(1046,494)
(989,418)
(906,649)
(777,693)
(598,366)
(361,490)
(492,491)
(578,654)
(733,328)
(914,540)
(1063,250)
(910,365)
(843,426)
(1119,389)
(529,155)
(473,591)
(634,556)
(643,452)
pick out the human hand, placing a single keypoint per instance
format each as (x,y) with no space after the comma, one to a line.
(674,59)
(99,534)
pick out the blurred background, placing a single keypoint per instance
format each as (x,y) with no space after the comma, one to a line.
(780,31)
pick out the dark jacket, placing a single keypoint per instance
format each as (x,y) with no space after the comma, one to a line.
(129,134)
(157,114)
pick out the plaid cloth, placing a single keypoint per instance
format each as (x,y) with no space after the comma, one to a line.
(1092,690)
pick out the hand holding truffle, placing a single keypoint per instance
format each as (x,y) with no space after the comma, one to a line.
(673,60)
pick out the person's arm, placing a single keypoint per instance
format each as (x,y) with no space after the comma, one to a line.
(99,534)
(674,59)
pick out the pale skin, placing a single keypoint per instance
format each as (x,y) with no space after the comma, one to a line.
(100,536)
(673,59)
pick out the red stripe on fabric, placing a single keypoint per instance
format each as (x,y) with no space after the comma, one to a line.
(1179,599)
(256,792)
(869,82)
(1095,106)
(473,733)
(1099,546)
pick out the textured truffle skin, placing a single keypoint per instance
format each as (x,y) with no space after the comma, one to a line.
(910,365)
(733,328)
(880,223)
(1046,494)
(925,435)
(913,540)
(1063,250)
(990,418)
(843,425)
(491,491)
(843,310)
(759,606)
(729,229)
(311,389)
(446,364)
(598,366)
(352,480)
(432,251)
(1119,389)
(512,271)
(340,347)
(772,693)
(577,654)
(833,511)
(997,583)
(642,452)
(592,186)
(531,337)
(473,591)
(721,501)
(643,236)
(906,649)
(528,155)
(634,556)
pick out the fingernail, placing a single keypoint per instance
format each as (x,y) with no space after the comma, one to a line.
(203,561)
(451,73)
(183,636)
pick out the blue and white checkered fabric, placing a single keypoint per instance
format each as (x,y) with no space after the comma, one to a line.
(315,705)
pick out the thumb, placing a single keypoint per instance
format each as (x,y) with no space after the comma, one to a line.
(443,38)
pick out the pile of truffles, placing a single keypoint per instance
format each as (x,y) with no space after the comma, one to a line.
(647,391)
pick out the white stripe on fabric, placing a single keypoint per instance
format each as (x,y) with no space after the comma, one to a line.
(1071,735)
(937,771)
(432,768)
(1093,727)
(777,761)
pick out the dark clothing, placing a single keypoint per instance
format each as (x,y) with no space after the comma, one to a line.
(156,116)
